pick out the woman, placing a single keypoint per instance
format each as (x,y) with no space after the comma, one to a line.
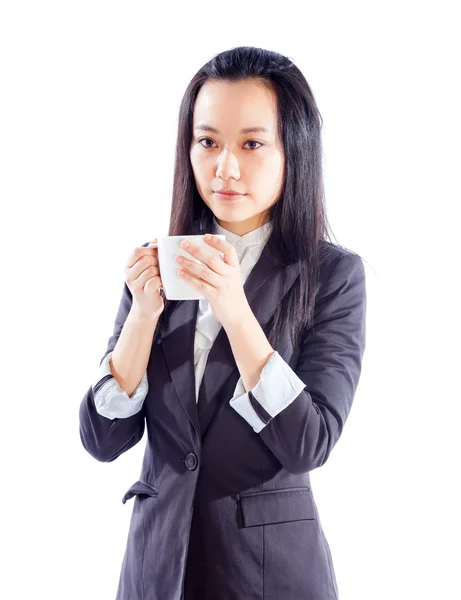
(244,393)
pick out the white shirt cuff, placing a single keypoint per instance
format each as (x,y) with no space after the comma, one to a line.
(276,389)
(111,400)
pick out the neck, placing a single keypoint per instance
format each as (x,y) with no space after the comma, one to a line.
(241,228)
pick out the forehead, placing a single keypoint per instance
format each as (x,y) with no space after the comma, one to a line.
(225,105)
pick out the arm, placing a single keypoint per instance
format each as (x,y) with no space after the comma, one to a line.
(130,344)
(110,399)
(301,426)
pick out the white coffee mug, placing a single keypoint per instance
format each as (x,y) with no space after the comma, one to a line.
(174,286)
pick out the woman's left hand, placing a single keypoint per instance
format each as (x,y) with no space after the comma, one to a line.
(218,279)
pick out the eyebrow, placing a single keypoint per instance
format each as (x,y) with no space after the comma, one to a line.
(204,127)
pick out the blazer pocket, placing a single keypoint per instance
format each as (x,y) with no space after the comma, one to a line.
(140,488)
(276,506)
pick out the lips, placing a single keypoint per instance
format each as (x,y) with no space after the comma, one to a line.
(226,197)
(228,193)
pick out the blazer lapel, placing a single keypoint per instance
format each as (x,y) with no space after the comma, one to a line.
(264,290)
(178,349)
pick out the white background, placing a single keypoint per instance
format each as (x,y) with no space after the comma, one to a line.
(89,98)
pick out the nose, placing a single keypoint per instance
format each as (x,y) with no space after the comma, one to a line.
(227,166)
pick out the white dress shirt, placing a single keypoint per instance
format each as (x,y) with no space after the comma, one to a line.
(277,387)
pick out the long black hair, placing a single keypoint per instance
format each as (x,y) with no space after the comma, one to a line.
(299,223)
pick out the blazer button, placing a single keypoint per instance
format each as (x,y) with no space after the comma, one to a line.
(191,461)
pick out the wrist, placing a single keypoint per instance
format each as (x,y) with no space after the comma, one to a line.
(240,319)
(136,315)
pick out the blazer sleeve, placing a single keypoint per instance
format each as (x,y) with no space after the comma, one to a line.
(301,426)
(110,399)
(103,437)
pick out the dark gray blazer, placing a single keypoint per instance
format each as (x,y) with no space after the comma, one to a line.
(221,512)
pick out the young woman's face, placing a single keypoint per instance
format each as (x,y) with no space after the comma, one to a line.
(251,163)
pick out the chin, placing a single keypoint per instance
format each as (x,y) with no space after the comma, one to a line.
(231,216)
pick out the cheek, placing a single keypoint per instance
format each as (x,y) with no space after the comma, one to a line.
(278,166)
(199,167)
(201,175)
(271,172)
(269,180)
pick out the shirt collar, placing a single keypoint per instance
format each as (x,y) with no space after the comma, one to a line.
(257,237)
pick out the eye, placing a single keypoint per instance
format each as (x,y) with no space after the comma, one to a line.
(203,140)
(254,142)
(210,140)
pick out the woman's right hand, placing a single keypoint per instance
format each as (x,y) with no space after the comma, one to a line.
(142,276)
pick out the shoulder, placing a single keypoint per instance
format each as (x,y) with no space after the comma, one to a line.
(331,255)
(339,267)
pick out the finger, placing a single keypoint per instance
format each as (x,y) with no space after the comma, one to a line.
(145,262)
(153,284)
(139,253)
(210,259)
(150,283)
(230,253)
(199,271)
(199,284)
(146,276)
